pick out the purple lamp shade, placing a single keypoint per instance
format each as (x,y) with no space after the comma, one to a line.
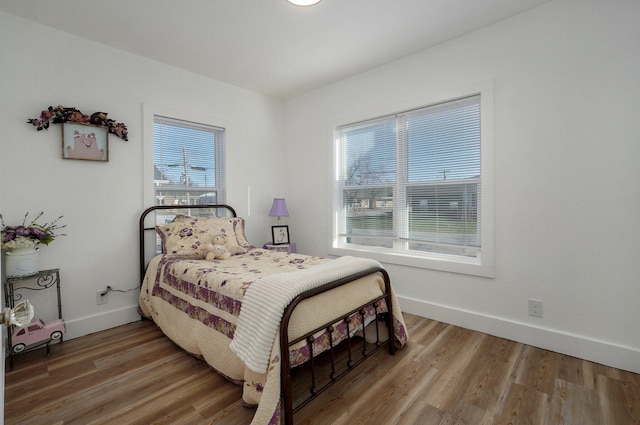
(279,208)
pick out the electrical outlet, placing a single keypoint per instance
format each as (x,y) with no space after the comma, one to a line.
(102,299)
(535,308)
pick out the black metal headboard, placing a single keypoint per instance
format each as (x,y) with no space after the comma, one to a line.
(177,209)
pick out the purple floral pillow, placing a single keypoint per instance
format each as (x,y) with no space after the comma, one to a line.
(188,235)
(238,227)
(182,239)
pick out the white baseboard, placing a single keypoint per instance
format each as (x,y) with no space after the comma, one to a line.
(100,322)
(603,352)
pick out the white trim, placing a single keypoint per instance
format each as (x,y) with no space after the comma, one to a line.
(462,265)
(571,344)
(102,321)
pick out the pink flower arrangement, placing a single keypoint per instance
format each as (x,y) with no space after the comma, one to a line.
(60,114)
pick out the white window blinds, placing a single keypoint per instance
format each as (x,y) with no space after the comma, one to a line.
(411,181)
(188,162)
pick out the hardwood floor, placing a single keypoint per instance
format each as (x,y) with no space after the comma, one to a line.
(445,375)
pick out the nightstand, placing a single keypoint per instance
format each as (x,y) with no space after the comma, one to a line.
(285,247)
(44,279)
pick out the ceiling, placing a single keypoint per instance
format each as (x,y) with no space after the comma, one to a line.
(269,46)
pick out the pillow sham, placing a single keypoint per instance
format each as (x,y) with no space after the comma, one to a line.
(187,235)
(182,238)
(238,227)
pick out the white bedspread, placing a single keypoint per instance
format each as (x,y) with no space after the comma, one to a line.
(266,299)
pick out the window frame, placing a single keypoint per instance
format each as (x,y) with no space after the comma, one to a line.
(483,265)
(149,113)
(217,160)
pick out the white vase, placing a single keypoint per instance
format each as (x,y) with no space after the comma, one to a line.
(21,262)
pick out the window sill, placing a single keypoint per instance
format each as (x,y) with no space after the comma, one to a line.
(471,266)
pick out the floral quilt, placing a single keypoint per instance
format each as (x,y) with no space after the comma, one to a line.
(197,303)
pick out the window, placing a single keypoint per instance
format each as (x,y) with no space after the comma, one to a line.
(411,184)
(188,162)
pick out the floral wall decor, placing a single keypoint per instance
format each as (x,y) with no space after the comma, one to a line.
(60,114)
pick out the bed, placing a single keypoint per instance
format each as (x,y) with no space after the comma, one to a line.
(240,314)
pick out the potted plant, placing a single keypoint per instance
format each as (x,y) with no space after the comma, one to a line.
(20,244)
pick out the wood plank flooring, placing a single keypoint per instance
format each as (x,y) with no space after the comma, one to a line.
(445,375)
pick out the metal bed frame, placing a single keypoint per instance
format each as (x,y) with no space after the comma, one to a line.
(367,350)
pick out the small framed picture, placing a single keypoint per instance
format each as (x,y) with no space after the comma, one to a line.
(280,234)
(84,141)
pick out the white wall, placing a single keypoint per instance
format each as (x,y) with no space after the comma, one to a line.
(567,195)
(101,202)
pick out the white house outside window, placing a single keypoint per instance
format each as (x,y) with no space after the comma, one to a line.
(410,184)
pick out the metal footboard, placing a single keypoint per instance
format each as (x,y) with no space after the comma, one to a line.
(368,349)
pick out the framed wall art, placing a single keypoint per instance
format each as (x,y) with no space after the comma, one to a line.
(280,234)
(85,142)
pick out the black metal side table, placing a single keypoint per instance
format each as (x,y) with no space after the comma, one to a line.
(44,279)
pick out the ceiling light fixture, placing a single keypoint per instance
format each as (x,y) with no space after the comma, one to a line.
(304,2)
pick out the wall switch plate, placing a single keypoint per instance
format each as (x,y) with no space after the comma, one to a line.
(535,308)
(101,299)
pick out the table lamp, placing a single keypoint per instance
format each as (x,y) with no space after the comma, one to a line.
(279,209)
